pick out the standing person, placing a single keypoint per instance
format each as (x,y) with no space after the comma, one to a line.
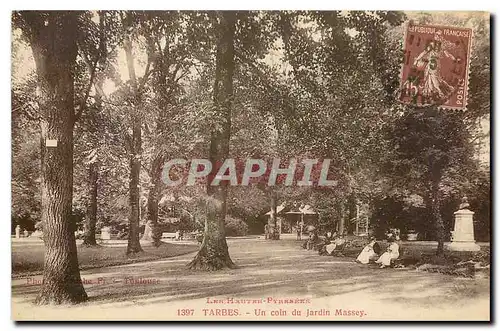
(391,254)
(266,231)
(300,227)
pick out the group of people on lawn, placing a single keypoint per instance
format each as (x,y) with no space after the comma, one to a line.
(370,253)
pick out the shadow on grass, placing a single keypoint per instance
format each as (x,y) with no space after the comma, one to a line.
(27,262)
(266,269)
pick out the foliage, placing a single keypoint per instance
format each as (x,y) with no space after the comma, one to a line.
(235,227)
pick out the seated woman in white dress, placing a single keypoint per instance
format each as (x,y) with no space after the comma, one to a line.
(392,253)
(368,253)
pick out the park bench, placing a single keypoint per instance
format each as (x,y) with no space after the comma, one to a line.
(112,236)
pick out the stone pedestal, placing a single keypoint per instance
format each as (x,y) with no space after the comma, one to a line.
(463,234)
(106,233)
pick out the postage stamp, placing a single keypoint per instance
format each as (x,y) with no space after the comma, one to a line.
(435,68)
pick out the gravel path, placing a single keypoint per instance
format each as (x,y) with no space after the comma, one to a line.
(275,281)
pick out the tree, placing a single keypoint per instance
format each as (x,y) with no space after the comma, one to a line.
(427,144)
(26,200)
(134,141)
(431,151)
(343,73)
(52,37)
(171,47)
(214,254)
(93,51)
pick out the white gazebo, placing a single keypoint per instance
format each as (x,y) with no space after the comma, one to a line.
(304,212)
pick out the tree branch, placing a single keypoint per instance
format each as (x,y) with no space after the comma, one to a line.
(92,68)
(147,72)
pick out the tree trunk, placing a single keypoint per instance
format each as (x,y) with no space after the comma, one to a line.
(134,245)
(274,231)
(341,227)
(135,145)
(53,41)
(93,171)
(214,254)
(152,231)
(436,215)
(91,217)
(163,89)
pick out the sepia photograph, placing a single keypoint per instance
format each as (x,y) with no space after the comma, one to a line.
(250,165)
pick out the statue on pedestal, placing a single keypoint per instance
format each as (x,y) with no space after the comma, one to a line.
(463,234)
(465,204)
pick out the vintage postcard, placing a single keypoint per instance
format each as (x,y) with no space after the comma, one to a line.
(250,166)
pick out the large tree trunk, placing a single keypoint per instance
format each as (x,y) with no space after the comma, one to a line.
(214,254)
(274,231)
(53,41)
(135,146)
(436,215)
(91,216)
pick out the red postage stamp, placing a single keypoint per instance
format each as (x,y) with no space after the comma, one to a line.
(435,68)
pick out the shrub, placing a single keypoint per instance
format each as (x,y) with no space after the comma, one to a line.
(235,227)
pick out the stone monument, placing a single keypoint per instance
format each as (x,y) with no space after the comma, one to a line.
(463,233)
(18,231)
(105,233)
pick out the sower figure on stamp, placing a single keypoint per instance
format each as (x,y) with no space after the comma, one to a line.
(434,86)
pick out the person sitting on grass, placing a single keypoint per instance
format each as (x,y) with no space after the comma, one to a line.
(329,236)
(336,245)
(392,253)
(369,252)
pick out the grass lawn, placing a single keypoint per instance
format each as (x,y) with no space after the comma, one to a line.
(413,249)
(413,254)
(28,259)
